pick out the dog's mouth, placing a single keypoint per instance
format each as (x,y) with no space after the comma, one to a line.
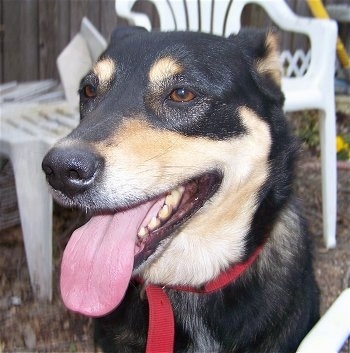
(173,210)
(101,256)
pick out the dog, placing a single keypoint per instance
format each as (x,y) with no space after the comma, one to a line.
(184,160)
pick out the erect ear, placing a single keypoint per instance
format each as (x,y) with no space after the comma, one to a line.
(270,64)
(261,50)
(120,33)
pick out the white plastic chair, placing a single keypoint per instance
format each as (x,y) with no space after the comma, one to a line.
(27,132)
(332,330)
(314,90)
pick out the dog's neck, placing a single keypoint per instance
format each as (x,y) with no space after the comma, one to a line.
(161,324)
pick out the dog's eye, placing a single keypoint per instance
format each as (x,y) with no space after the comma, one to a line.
(89,91)
(181,95)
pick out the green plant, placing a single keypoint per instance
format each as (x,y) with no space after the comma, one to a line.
(307,128)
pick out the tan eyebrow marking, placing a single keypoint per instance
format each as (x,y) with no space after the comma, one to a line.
(104,70)
(164,68)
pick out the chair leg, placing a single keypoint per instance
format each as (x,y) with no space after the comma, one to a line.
(35,207)
(329,174)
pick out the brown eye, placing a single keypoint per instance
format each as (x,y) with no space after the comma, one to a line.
(181,95)
(89,91)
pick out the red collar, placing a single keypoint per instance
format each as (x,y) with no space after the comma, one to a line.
(161,327)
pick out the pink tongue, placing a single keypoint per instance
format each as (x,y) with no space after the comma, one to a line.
(98,261)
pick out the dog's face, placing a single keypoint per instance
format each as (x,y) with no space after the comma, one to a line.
(173,153)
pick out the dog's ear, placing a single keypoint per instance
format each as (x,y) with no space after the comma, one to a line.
(261,49)
(120,33)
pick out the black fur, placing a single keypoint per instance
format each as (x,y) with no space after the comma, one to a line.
(274,303)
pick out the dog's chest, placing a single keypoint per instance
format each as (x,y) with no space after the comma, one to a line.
(189,319)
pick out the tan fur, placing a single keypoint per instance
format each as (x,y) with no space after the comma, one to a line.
(271,64)
(142,161)
(164,68)
(104,70)
(215,236)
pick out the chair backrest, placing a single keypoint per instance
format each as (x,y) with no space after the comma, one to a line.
(223,17)
(77,58)
(220,17)
(204,16)
(93,38)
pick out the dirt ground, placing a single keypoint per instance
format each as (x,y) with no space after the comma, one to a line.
(27,325)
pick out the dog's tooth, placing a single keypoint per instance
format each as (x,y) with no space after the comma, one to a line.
(168,200)
(174,198)
(165,212)
(176,195)
(181,190)
(142,233)
(154,223)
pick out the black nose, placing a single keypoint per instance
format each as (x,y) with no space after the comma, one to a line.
(72,170)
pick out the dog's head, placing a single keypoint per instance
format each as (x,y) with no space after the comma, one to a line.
(181,155)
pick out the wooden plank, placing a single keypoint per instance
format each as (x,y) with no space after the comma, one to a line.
(29,40)
(300,41)
(109,19)
(286,38)
(80,8)
(54,34)
(150,10)
(1,40)
(255,16)
(20,60)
